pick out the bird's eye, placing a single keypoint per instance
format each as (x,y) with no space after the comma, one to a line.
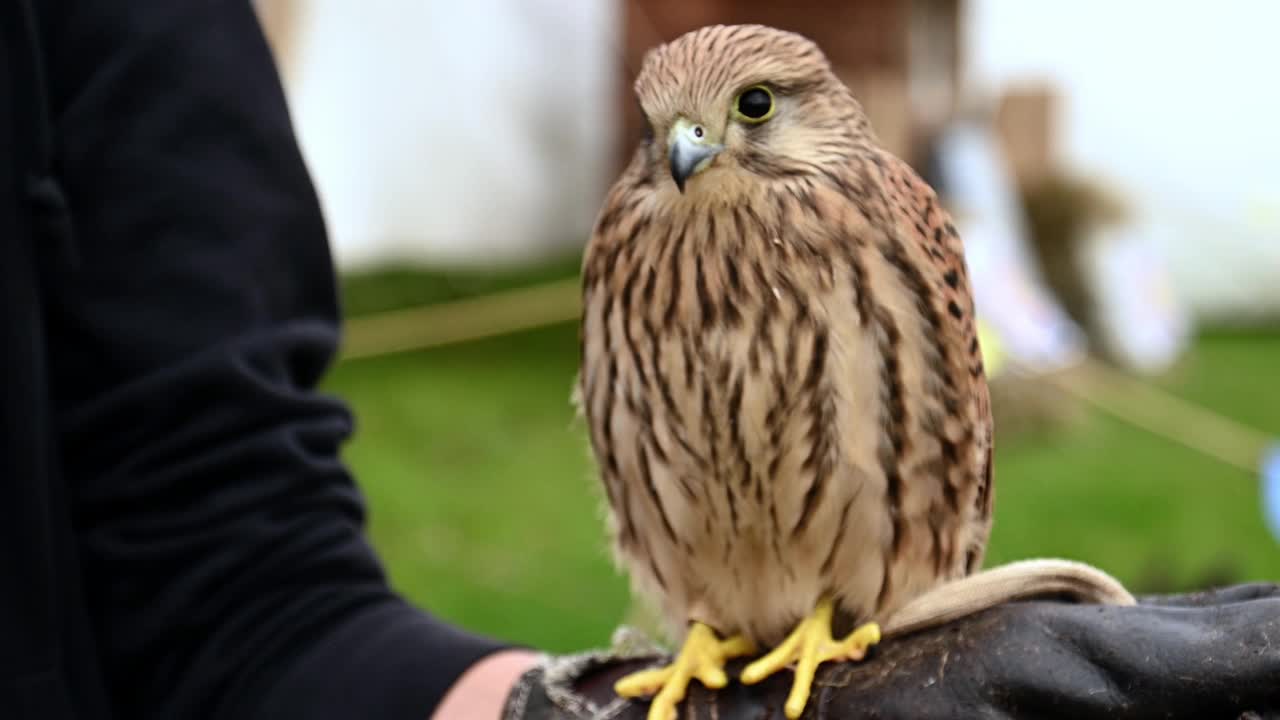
(755,104)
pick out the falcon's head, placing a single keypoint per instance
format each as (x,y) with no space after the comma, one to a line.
(742,103)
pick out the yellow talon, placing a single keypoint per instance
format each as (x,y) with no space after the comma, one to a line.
(808,646)
(703,657)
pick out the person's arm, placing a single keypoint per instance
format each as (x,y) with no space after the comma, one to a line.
(192,314)
(482,690)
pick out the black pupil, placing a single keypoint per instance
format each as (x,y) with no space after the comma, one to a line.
(755,103)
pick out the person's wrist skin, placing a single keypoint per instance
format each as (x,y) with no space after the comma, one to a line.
(482,690)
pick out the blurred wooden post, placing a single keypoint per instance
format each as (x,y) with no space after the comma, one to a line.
(1026,121)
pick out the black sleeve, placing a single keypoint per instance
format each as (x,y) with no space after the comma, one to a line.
(192,314)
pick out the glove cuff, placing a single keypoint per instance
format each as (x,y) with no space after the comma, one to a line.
(580,686)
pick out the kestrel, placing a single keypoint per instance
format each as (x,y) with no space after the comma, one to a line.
(780,368)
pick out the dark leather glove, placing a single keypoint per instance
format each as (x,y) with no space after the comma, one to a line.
(1205,655)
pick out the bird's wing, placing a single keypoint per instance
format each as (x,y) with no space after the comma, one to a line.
(939,285)
(928,412)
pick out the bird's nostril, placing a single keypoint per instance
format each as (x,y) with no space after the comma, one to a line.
(697,131)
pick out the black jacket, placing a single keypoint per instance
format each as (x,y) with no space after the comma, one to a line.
(178,538)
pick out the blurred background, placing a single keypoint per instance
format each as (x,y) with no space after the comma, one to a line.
(1112,168)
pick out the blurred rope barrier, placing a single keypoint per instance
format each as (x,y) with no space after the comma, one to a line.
(1146,407)
(461,320)
(1132,401)
(1165,415)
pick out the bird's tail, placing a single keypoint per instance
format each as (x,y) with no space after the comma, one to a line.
(1022,580)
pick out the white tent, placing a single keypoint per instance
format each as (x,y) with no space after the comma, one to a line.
(458,131)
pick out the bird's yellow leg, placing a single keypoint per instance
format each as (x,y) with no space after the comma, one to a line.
(808,646)
(703,657)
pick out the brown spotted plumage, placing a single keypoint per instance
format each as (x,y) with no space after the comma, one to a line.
(780,366)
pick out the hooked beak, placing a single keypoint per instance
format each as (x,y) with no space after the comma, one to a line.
(691,151)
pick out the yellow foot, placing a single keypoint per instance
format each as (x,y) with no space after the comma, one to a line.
(703,656)
(808,646)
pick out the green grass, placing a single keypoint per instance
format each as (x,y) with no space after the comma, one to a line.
(484,505)
(481,497)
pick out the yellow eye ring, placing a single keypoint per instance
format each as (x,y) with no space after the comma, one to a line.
(754,105)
